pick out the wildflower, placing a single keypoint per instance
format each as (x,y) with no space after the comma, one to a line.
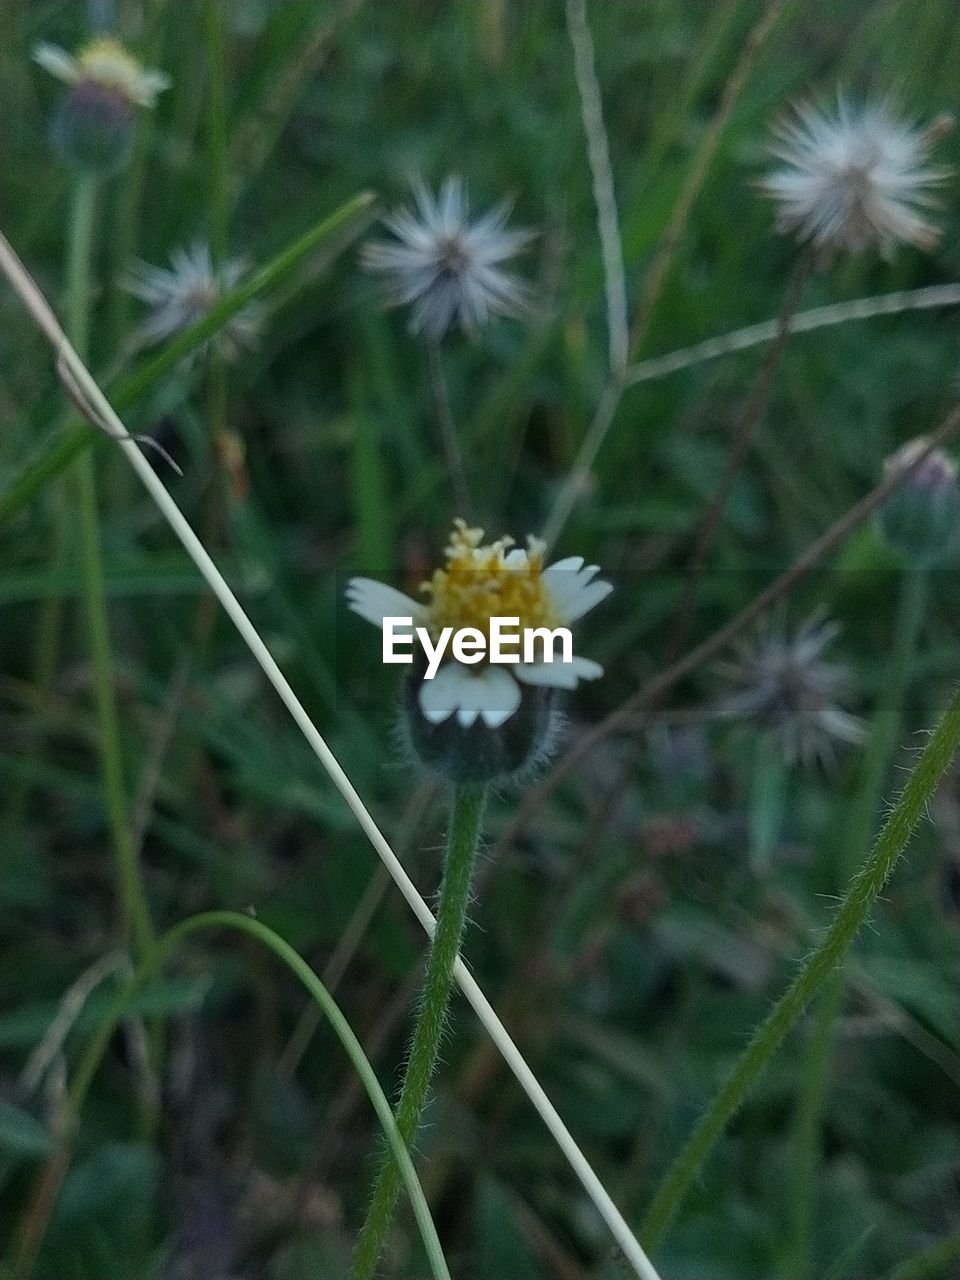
(855,177)
(473,722)
(447,268)
(182,294)
(93,129)
(921,519)
(106,64)
(789,689)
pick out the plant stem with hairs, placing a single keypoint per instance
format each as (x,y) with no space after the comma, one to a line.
(466,814)
(133,898)
(815,973)
(881,746)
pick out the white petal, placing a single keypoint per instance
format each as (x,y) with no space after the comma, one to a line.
(499,695)
(150,83)
(558,675)
(440,697)
(490,694)
(587,597)
(568,576)
(572,564)
(57,61)
(376,601)
(516,559)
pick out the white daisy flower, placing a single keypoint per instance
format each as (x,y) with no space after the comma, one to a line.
(479,582)
(105,64)
(447,268)
(182,294)
(854,177)
(788,688)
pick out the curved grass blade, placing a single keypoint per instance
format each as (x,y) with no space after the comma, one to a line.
(298,966)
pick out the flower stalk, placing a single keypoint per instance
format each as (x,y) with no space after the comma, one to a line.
(466,814)
(133,899)
(452,452)
(881,745)
(865,888)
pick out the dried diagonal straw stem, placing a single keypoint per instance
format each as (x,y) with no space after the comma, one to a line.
(104,416)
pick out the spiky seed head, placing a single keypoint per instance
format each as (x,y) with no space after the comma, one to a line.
(854,177)
(788,688)
(181,294)
(447,268)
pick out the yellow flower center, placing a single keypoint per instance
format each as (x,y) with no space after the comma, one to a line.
(476,585)
(107,63)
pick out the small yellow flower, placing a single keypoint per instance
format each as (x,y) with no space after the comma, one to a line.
(106,64)
(480,581)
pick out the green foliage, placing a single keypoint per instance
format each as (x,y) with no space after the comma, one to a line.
(657,903)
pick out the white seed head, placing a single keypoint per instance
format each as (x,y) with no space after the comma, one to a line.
(447,268)
(181,294)
(854,177)
(787,687)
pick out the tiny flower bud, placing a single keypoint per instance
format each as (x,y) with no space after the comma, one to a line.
(93,129)
(921,519)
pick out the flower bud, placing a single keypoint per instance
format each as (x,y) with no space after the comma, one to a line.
(93,129)
(921,519)
(479,753)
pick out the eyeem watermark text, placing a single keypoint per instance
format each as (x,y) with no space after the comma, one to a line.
(508,643)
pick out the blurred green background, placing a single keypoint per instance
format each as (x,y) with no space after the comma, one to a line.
(630,943)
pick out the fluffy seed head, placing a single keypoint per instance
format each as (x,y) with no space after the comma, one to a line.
(447,268)
(788,688)
(854,177)
(181,294)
